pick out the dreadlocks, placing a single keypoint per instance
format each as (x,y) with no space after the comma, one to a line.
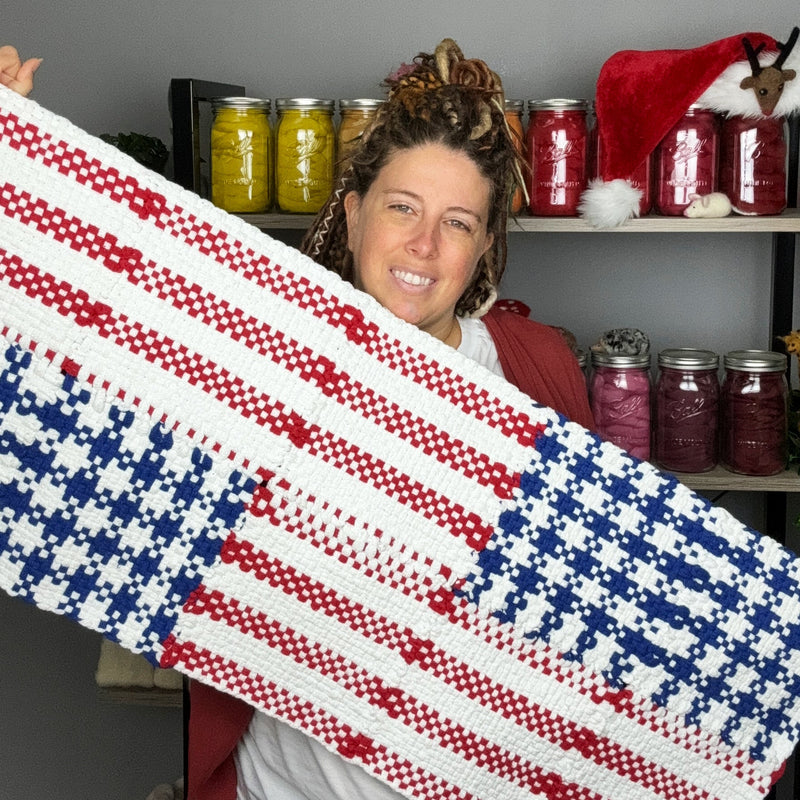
(443,99)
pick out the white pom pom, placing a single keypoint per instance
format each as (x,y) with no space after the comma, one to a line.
(609,204)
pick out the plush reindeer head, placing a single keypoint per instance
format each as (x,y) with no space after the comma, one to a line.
(767,82)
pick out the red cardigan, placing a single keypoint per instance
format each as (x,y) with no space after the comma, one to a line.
(537,360)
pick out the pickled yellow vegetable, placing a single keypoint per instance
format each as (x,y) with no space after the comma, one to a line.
(241,179)
(304,159)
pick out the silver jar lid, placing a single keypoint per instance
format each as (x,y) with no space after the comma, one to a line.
(620,360)
(240,102)
(755,360)
(688,358)
(304,103)
(514,105)
(360,104)
(558,104)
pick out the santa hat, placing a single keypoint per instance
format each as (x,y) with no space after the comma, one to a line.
(641,95)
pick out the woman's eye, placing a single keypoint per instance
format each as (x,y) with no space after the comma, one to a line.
(402,207)
(460,224)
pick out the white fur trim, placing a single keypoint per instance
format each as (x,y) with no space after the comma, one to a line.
(726,97)
(609,204)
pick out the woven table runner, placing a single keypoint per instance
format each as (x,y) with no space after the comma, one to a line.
(218,454)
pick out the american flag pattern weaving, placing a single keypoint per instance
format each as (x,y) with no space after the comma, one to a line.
(218,454)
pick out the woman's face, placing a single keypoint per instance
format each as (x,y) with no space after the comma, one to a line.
(418,233)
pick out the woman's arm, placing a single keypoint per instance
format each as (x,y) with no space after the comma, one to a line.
(15,73)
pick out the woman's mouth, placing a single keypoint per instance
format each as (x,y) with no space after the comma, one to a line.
(411,278)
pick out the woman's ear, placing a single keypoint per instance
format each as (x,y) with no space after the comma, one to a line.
(352,206)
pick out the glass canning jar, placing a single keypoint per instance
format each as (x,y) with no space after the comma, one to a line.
(240,154)
(753,164)
(754,404)
(687,161)
(619,392)
(686,410)
(354,118)
(513,112)
(305,151)
(557,150)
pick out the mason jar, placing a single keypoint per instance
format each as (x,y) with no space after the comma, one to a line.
(355,117)
(305,152)
(755,397)
(687,161)
(556,144)
(753,164)
(240,154)
(619,395)
(513,112)
(686,410)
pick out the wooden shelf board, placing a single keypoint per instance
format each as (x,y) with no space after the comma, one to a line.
(788,222)
(720,479)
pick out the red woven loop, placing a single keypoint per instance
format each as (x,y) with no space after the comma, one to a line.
(297,430)
(357,747)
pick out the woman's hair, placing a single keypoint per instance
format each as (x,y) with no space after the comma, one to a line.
(443,99)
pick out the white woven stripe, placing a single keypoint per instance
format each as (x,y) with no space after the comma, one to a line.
(712,776)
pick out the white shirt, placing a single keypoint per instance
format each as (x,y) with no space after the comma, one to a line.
(275,761)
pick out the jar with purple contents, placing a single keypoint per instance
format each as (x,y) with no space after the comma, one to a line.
(620,400)
(687,161)
(753,164)
(686,410)
(754,405)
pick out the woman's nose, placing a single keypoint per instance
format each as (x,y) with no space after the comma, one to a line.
(424,240)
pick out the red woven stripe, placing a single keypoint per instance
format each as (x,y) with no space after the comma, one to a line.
(471,683)
(218,314)
(249,402)
(232,254)
(394,702)
(288,510)
(315,721)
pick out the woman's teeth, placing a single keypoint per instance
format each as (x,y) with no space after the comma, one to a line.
(410,277)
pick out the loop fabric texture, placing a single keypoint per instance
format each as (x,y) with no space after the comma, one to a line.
(220,455)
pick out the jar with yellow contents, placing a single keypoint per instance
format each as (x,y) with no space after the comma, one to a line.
(305,153)
(241,154)
(355,117)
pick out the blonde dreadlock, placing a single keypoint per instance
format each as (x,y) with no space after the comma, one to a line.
(441,98)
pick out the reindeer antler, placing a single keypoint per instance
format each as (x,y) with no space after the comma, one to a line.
(752,55)
(767,82)
(786,48)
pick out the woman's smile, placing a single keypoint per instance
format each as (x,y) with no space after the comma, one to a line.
(412,278)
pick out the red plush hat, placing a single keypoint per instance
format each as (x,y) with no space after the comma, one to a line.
(641,95)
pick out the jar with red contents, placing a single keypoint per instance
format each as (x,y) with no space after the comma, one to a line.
(687,161)
(557,148)
(753,164)
(642,178)
(754,404)
(686,410)
(619,393)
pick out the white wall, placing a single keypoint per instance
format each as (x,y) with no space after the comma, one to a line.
(108,66)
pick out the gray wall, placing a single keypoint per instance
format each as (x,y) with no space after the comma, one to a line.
(107,67)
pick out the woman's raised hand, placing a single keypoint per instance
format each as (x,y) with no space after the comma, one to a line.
(15,73)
